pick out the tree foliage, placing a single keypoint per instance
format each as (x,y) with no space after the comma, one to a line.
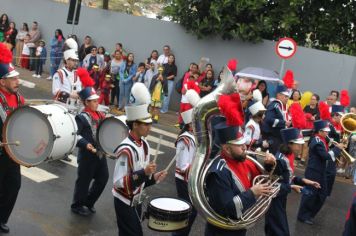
(327,25)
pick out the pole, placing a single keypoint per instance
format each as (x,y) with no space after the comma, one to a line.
(75,14)
(282,69)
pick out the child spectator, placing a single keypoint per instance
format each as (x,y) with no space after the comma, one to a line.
(157,90)
(150,72)
(25,55)
(140,74)
(95,74)
(41,55)
(104,89)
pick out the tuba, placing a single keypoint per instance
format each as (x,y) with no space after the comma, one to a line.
(348,123)
(204,112)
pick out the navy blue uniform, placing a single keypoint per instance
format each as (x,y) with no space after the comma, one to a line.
(312,202)
(90,165)
(274,121)
(276,222)
(350,224)
(225,197)
(10,176)
(331,165)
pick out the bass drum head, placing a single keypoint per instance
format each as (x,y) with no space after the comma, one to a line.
(111,132)
(34,132)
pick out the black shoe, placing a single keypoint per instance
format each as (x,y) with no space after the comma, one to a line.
(308,222)
(83,211)
(4,228)
(92,209)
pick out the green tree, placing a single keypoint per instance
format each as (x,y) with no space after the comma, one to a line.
(327,25)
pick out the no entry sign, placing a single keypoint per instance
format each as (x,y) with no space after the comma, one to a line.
(286,48)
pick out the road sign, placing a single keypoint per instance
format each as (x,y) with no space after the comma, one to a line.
(286,48)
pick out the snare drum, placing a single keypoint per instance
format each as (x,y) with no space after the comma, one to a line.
(111,132)
(46,132)
(168,214)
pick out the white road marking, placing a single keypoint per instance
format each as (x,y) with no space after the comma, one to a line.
(36,174)
(163,142)
(27,84)
(165,133)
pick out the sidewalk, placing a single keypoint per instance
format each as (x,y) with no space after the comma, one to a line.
(166,121)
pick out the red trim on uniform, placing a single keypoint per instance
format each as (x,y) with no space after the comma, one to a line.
(60,75)
(129,156)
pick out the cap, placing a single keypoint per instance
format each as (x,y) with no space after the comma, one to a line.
(337,109)
(7,70)
(283,90)
(88,93)
(292,135)
(321,125)
(229,134)
(71,54)
(138,113)
(256,107)
(187,116)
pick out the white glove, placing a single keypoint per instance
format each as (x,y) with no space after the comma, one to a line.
(74,95)
(265,144)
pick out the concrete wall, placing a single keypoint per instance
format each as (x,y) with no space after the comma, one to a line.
(317,71)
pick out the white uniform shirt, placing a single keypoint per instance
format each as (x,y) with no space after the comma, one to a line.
(252,132)
(68,85)
(128,157)
(185,150)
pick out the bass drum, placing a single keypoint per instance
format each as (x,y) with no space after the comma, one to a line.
(45,132)
(111,132)
(167,214)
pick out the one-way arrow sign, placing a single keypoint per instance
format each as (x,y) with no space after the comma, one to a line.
(286,48)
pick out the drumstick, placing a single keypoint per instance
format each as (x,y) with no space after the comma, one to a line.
(172,161)
(16,143)
(157,150)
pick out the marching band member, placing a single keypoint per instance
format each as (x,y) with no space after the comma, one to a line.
(91,165)
(252,132)
(133,167)
(186,148)
(350,224)
(276,223)
(276,118)
(66,85)
(229,179)
(319,154)
(10,99)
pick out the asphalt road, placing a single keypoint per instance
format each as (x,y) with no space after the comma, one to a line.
(43,207)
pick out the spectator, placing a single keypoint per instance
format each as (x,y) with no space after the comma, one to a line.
(158,88)
(262,86)
(335,95)
(207,84)
(153,56)
(169,73)
(4,25)
(119,47)
(104,89)
(96,75)
(127,72)
(115,75)
(140,74)
(163,59)
(84,49)
(218,80)
(330,100)
(312,110)
(25,55)
(101,52)
(10,35)
(56,53)
(20,41)
(41,55)
(93,58)
(207,66)
(150,73)
(294,98)
(35,36)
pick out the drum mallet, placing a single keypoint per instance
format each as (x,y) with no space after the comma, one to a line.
(157,150)
(16,143)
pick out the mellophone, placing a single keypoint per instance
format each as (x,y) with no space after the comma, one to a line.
(34,134)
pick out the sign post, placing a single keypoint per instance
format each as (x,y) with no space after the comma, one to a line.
(285,49)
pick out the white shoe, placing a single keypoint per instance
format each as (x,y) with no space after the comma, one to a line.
(49,78)
(34,75)
(39,76)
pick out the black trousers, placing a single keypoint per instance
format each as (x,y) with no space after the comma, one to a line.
(182,192)
(330,176)
(211,230)
(10,183)
(32,59)
(90,168)
(127,219)
(312,203)
(276,221)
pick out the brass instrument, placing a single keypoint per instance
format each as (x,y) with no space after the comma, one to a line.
(348,123)
(204,112)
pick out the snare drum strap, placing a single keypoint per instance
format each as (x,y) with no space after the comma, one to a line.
(5,109)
